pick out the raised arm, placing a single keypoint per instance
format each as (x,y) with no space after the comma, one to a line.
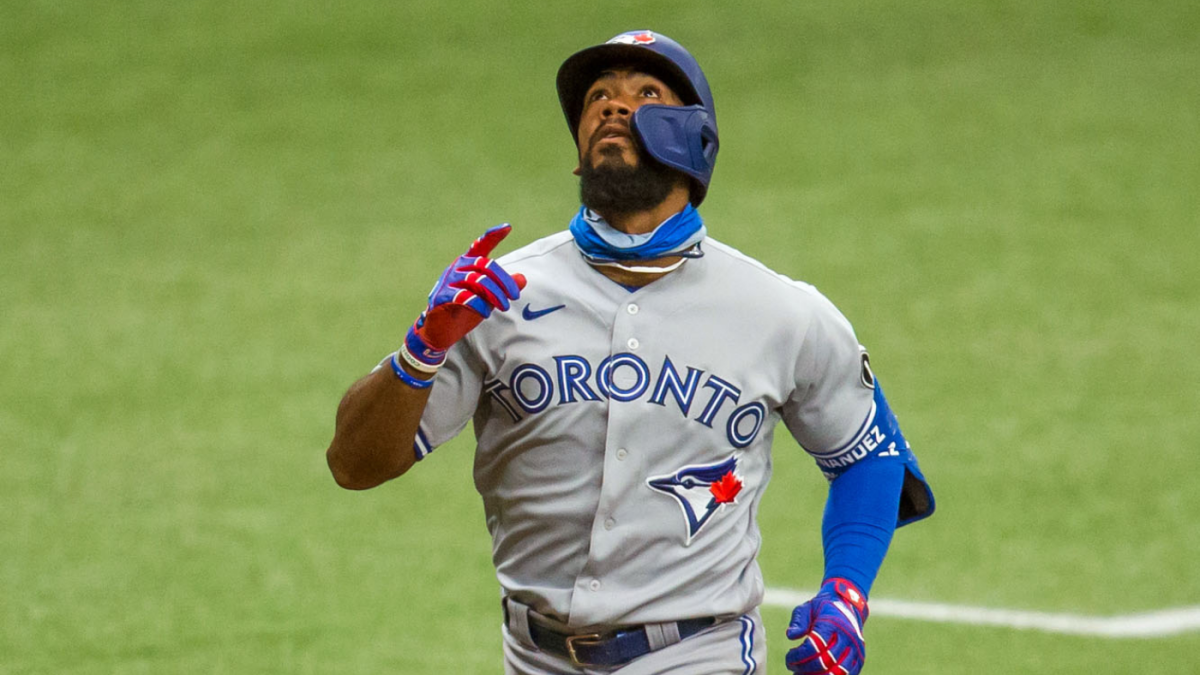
(378,417)
(376,426)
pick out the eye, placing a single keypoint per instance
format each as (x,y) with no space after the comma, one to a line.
(650,91)
(597,95)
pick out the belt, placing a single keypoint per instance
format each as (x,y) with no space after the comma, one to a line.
(613,648)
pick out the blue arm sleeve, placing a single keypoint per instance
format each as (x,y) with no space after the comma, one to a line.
(860,518)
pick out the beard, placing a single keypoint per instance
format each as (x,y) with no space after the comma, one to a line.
(615,187)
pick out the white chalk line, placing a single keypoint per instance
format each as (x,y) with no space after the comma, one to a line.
(1162,623)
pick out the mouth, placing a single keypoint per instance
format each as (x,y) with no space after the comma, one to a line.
(611,132)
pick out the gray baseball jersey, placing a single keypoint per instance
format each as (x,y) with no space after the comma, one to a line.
(624,438)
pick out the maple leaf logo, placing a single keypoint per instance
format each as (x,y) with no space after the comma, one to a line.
(701,490)
(645,38)
(726,490)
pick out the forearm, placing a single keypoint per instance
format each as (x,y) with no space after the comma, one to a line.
(860,518)
(378,417)
(376,424)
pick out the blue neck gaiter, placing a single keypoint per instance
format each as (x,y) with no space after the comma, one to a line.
(601,242)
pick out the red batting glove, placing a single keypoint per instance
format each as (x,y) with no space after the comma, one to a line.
(466,293)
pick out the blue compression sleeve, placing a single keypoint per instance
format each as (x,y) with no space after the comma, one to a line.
(860,518)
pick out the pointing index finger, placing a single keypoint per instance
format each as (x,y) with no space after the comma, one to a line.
(483,245)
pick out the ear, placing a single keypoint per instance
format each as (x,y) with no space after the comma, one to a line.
(579,160)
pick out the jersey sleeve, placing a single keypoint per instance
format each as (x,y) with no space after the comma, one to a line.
(839,415)
(831,398)
(452,399)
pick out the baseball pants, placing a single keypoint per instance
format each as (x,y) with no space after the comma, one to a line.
(733,647)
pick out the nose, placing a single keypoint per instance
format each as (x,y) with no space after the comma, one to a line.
(616,106)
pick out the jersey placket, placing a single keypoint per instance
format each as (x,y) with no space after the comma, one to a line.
(627,381)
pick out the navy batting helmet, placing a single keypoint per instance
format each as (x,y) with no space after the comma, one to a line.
(681,137)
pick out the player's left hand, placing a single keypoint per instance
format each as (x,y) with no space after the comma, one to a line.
(831,626)
(469,290)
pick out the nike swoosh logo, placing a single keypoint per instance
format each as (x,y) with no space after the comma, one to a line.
(530,315)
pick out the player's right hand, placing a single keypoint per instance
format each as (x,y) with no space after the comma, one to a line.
(830,626)
(466,293)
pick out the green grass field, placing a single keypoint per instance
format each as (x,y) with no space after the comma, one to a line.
(215,215)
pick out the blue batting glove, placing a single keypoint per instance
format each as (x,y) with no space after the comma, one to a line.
(467,292)
(831,626)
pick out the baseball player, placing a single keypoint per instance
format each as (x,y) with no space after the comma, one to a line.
(625,379)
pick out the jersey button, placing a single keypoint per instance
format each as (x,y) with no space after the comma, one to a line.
(595,585)
(609,523)
(622,453)
(632,308)
(633,343)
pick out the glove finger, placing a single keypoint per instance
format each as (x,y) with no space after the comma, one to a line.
(444,294)
(803,655)
(819,656)
(496,273)
(806,665)
(485,243)
(506,280)
(485,288)
(797,662)
(801,623)
(520,280)
(477,304)
(489,290)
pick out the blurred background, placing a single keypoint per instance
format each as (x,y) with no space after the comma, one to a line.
(215,215)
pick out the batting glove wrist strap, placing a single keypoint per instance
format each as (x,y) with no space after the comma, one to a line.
(851,595)
(418,354)
(830,626)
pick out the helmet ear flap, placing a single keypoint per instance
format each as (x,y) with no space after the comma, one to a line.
(681,137)
(703,138)
(709,144)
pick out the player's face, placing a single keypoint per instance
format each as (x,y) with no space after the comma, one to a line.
(605,135)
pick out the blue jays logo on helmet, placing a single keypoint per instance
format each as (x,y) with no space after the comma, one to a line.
(633,38)
(701,491)
(681,137)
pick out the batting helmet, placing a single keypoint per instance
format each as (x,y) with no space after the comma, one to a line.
(681,137)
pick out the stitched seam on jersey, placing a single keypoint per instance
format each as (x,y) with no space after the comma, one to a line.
(738,256)
(802,286)
(747,640)
(807,289)
(472,356)
(524,254)
(858,436)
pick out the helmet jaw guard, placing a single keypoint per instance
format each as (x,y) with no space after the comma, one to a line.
(681,137)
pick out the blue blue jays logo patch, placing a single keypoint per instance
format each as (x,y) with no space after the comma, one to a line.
(701,491)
